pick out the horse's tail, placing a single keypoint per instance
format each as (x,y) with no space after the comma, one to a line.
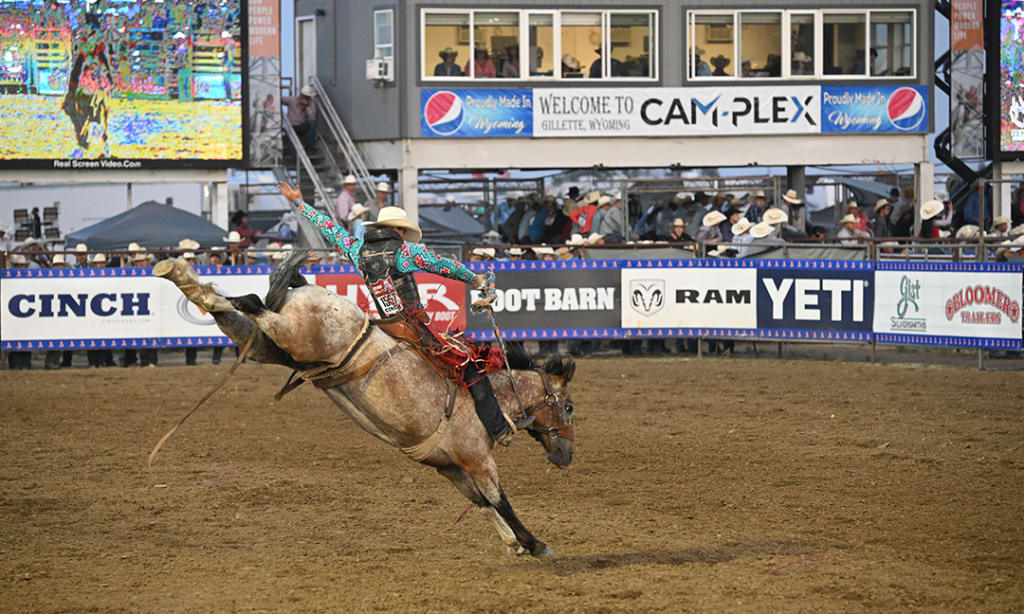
(286,276)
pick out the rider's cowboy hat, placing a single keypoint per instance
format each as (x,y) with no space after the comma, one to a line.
(356,211)
(791,197)
(713,218)
(394,217)
(931,208)
(775,216)
(233,237)
(741,226)
(761,230)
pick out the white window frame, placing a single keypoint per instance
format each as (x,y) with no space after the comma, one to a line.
(819,45)
(524,44)
(377,46)
(300,80)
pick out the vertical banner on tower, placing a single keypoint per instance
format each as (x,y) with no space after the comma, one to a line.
(264,83)
(966,75)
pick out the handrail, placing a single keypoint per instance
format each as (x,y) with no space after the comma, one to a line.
(352,154)
(300,154)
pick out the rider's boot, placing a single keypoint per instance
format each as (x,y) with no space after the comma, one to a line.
(489,412)
(203,295)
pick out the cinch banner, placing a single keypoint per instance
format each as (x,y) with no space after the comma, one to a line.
(874,108)
(944,304)
(672,111)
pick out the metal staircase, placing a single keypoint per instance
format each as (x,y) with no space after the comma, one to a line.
(320,171)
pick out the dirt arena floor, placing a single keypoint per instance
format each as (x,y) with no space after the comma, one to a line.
(710,486)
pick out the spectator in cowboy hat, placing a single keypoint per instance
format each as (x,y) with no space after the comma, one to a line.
(571,67)
(710,232)
(448,67)
(801,64)
(791,198)
(383,190)
(302,116)
(594,239)
(357,219)
(576,240)
(482,254)
(720,62)
(732,215)
(190,258)
(854,209)
(347,198)
(81,257)
(757,207)
(967,232)
(19,261)
(216,256)
(483,65)
(55,359)
(1000,226)
(544,252)
(739,231)
(700,67)
(929,210)
(613,221)
(882,227)
(140,259)
(515,253)
(849,233)
(775,216)
(679,234)
(234,241)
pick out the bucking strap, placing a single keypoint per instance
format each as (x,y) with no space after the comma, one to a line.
(425,448)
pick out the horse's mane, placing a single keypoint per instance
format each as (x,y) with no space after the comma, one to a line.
(519,358)
(286,276)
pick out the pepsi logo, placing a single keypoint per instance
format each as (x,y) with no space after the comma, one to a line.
(443,112)
(906,109)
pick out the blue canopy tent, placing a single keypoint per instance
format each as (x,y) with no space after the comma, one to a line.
(151,224)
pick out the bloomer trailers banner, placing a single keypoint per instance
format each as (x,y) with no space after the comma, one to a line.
(949,304)
(672,111)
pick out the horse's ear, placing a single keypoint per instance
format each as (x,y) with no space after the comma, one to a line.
(570,370)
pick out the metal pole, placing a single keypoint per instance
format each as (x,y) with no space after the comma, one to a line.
(128,194)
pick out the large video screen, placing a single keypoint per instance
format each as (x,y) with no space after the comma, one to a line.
(112,84)
(1011,77)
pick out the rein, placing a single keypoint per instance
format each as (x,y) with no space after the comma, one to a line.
(551,402)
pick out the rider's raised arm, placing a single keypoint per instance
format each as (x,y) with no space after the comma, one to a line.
(416,257)
(335,235)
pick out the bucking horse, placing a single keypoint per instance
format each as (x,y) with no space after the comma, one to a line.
(390,390)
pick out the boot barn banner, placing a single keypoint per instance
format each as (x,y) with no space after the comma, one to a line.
(673,112)
(842,301)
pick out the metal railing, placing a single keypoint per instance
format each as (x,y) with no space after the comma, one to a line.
(353,157)
(307,165)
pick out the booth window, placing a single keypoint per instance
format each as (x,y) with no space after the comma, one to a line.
(541,50)
(801,40)
(760,45)
(445,44)
(875,44)
(565,44)
(892,48)
(712,46)
(384,33)
(629,35)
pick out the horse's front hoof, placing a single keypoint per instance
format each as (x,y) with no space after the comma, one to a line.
(541,550)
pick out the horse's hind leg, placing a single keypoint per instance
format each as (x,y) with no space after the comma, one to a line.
(485,476)
(465,485)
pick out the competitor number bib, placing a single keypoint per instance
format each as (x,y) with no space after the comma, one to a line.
(387,297)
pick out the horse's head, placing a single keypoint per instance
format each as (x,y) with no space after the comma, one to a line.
(552,414)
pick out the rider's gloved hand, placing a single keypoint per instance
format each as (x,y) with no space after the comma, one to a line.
(294,195)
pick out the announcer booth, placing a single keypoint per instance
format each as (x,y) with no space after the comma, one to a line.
(530,85)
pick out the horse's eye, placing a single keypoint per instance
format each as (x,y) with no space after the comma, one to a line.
(568,410)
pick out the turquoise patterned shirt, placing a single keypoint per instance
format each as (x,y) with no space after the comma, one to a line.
(412,256)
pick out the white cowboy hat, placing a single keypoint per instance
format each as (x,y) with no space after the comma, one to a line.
(189,255)
(881,202)
(967,231)
(680,195)
(356,211)
(100,257)
(135,247)
(592,197)
(761,230)
(543,250)
(852,205)
(593,238)
(349,180)
(233,237)
(604,200)
(58,259)
(712,218)
(741,226)
(758,194)
(188,244)
(678,222)
(515,251)
(800,56)
(492,236)
(383,187)
(307,90)
(140,256)
(1019,240)
(576,239)
(314,256)
(775,216)
(943,234)
(848,219)
(931,208)
(484,252)
(791,197)
(285,251)
(1000,220)
(18,259)
(571,62)
(1017,230)
(395,217)
(81,247)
